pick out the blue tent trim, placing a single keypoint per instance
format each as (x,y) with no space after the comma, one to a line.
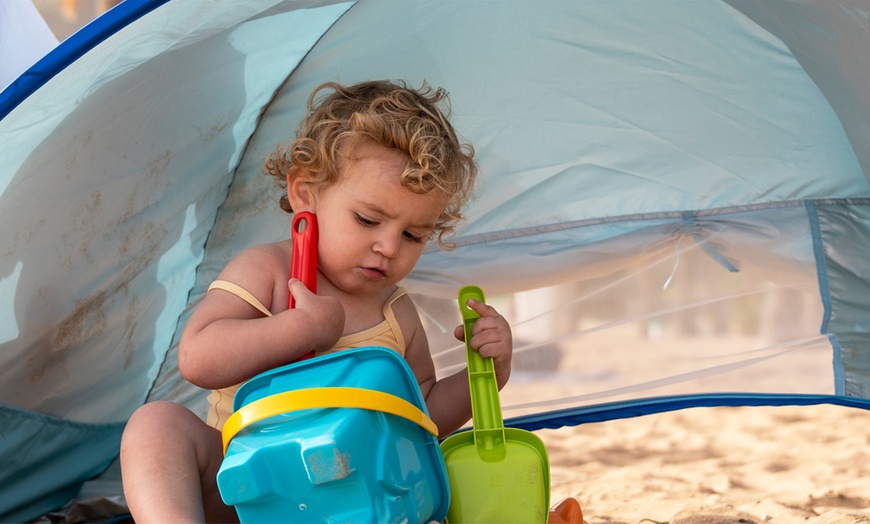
(650,406)
(72,49)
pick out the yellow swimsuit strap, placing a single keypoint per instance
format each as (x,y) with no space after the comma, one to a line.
(240,292)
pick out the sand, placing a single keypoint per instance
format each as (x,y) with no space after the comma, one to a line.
(718,465)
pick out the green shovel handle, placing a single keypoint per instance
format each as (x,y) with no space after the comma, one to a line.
(489,437)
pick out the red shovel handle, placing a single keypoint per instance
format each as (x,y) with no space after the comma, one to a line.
(304,262)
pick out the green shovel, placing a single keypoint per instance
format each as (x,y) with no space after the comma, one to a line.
(496,474)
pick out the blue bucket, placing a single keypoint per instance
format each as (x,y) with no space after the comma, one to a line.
(340,438)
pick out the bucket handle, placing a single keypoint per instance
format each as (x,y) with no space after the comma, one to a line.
(327,397)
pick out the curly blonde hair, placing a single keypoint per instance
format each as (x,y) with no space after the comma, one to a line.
(392,115)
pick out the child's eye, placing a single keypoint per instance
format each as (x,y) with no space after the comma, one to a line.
(368,222)
(415,238)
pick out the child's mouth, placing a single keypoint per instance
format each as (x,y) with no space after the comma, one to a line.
(374,273)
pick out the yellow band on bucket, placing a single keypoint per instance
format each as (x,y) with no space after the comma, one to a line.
(331,397)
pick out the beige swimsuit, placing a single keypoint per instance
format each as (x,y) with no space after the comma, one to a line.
(387,334)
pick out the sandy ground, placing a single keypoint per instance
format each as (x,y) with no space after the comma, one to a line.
(718,465)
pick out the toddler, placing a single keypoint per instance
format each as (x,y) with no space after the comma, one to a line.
(383,171)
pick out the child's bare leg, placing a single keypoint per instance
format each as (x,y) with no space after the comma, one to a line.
(169,462)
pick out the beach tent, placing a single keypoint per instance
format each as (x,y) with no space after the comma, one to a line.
(685,173)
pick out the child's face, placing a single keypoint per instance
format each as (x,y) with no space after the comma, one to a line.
(372,229)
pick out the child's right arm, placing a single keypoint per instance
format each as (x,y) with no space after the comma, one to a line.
(227,341)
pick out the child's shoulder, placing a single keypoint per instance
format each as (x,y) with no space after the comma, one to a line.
(406,311)
(265,256)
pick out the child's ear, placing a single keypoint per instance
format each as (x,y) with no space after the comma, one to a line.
(300,190)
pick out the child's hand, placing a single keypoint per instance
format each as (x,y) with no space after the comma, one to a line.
(327,315)
(491,337)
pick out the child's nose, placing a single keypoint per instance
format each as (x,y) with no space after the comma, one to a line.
(387,245)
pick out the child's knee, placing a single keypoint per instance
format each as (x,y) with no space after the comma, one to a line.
(167,427)
(155,412)
(155,419)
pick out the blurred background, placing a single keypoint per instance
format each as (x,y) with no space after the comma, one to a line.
(65,17)
(31,28)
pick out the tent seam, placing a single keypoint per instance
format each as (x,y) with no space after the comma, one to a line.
(821,265)
(483,238)
(825,294)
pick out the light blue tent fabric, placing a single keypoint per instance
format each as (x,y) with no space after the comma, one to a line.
(605,132)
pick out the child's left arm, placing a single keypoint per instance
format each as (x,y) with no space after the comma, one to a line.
(448,399)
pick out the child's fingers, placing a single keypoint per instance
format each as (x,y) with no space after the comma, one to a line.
(491,335)
(488,342)
(481,334)
(298,289)
(484,310)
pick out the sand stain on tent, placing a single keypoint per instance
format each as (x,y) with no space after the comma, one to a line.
(86,321)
